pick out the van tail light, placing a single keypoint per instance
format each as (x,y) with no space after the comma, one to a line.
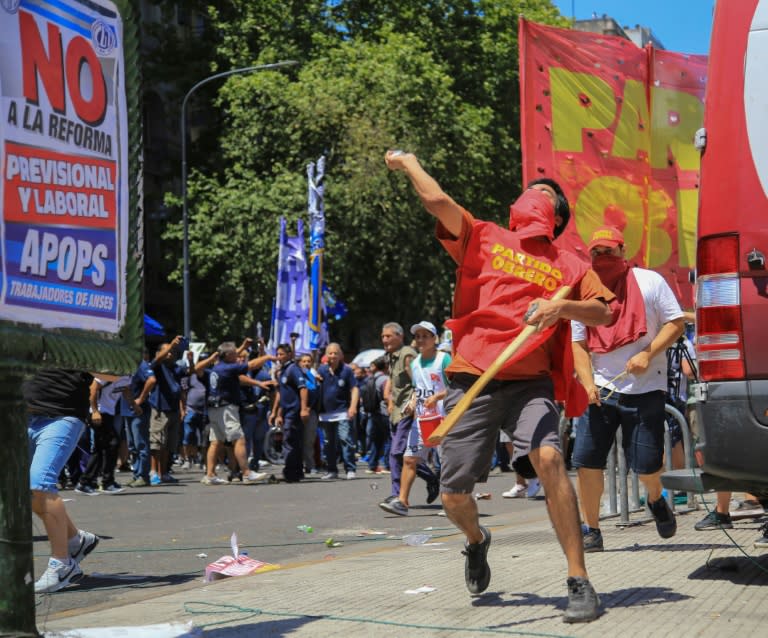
(719,336)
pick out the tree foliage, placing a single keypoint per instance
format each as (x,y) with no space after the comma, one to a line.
(438,78)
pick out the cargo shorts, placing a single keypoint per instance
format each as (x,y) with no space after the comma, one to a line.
(525,410)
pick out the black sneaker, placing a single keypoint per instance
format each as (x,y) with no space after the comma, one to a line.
(80,488)
(714,520)
(477,573)
(583,601)
(666,525)
(433,491)
(593,540)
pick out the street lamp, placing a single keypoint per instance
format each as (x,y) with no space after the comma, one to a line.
(184,215)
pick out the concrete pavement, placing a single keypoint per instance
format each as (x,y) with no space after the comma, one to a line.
(695,584)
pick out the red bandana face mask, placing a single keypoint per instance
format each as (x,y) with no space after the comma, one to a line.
(532,215)
(611,269)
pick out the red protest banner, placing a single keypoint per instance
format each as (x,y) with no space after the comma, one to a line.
(614,124)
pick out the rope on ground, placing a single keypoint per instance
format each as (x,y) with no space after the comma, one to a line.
(733,542)
(206,608)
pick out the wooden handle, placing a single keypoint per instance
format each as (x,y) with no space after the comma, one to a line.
(483,380)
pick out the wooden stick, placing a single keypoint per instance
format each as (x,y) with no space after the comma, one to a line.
(483,380)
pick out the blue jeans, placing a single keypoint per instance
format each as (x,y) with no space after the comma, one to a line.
(339,434)
(194,423)
(377,433)
(51,442)
(138,426)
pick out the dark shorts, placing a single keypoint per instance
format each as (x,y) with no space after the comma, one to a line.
(641,417)
(526,410)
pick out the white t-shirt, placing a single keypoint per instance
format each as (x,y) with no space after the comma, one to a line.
(661,306)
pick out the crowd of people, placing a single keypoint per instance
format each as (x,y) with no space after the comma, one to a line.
(595,351)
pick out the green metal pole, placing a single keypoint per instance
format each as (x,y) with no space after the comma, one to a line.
(17,597)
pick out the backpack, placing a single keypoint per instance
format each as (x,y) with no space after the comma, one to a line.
(370,396)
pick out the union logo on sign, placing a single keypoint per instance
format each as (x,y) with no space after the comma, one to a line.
(10,6)
(103,37)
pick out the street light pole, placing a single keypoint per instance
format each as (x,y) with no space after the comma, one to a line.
(184,215)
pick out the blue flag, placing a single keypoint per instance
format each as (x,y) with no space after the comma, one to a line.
(290,309)
(318,337)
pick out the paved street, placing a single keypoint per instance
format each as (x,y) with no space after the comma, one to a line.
(147,569)
(152,537)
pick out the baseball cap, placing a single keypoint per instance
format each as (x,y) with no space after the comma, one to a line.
(425,325)
(606,236)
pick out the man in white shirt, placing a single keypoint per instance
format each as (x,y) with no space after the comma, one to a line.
(623,367)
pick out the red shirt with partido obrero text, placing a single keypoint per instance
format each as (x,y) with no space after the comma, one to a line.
(498,276)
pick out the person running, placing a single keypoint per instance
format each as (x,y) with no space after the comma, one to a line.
(429,390)
(504,279)
(57,404)
(624,370)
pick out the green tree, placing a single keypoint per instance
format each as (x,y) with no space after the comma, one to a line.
(438,78)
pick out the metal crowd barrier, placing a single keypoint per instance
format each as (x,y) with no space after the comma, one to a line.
(623,487)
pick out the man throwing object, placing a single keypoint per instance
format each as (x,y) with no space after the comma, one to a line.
(506,279)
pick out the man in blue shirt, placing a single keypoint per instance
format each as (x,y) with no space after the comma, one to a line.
(135,412)
(291,411)
(165,422)
(340,398)
(224,407)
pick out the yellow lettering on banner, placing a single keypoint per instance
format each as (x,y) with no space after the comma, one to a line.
(579,101)
(659,245)
(676,118)
(611,192)
(512,263)
(687,209)
(632,132)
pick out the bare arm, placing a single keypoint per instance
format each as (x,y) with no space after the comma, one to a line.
(582,363)
(148,385)
(253,364)
(670,331)
(355,399)
(247,342)
(162,352)
(94,399)
(590,312)
(202,364)
(435,200)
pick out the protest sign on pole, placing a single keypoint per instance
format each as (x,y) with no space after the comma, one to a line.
(70,184)
(70,228)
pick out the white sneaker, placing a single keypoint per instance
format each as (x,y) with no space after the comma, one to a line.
(213,480)
(534,487)
(254,477)
(58,575)
(81,545)
(351,475)
(186,465)
(328,476)
(518,491)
